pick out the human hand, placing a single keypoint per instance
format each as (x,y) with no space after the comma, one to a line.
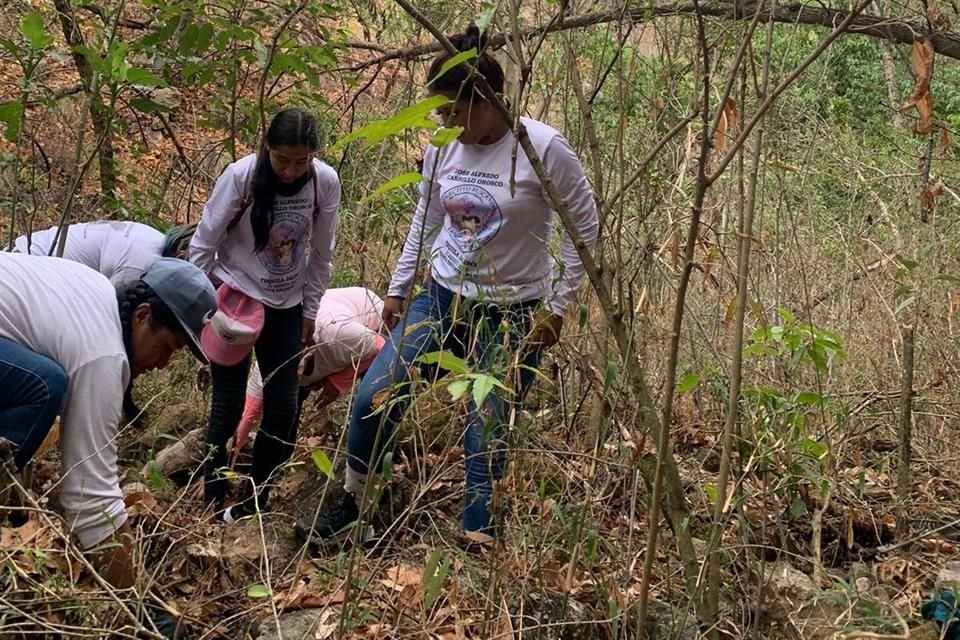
(392,308)
(546,330)
(307,328)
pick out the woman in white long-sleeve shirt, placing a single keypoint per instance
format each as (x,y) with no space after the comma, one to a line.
(69,341)
(120,250)
(492,274)
(267,233)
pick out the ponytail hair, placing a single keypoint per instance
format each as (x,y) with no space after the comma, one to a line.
(291,127)
(460,80)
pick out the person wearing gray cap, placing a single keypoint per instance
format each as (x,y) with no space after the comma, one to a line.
(69,344)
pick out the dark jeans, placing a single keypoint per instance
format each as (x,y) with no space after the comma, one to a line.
(32,390)
(277,351)
(490,338)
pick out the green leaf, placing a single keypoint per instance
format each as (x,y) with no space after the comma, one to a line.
(807,398)
(394,183)
(258,591)
(482,385)
(609,375)
(143,77)
(11,47)
(92,57)
(813,449)
(323,462)
(188,39)
(902,292)
(414,116)
(445,360)
(457,388)
(433,576)
(32,29)
(949,278)
(582,315)
(798,507)
(908,263)
(461,57)
(688,382)
(11,114)
(711,490)
(485,17)
(445,135)
(161,36)
(903,305)
(154,475)
(204,38)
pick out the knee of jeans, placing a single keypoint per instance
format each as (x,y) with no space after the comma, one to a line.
(368,391)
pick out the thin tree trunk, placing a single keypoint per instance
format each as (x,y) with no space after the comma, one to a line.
(744,245)
(99,114)
(890,79)
(904,481)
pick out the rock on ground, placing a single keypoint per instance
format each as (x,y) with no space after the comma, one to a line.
(308,624)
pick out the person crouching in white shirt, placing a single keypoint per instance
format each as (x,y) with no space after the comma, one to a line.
(70,343)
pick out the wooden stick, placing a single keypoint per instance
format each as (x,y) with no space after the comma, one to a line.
(904,482)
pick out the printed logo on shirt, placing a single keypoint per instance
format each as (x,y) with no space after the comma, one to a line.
(287,243)
(474,215)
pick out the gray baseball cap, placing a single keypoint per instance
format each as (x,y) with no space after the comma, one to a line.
(188,293)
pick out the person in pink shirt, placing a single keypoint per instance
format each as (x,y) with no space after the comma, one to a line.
(346,339)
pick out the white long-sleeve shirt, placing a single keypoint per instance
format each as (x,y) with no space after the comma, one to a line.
(122,251)
(482,241)
(69,313)
(294,267)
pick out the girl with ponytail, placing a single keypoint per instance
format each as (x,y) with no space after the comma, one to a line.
(494,294)
(266,238)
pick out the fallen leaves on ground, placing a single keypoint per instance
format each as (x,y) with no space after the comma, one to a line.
(301,596)
(13,538)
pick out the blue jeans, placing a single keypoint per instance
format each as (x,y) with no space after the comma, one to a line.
(32,389)
(490,338)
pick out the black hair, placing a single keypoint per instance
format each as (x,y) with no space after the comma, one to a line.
(132,296)
(176,240)
(461,80)
(292,127)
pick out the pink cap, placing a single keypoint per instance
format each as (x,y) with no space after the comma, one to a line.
(228,336)
(343,380)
